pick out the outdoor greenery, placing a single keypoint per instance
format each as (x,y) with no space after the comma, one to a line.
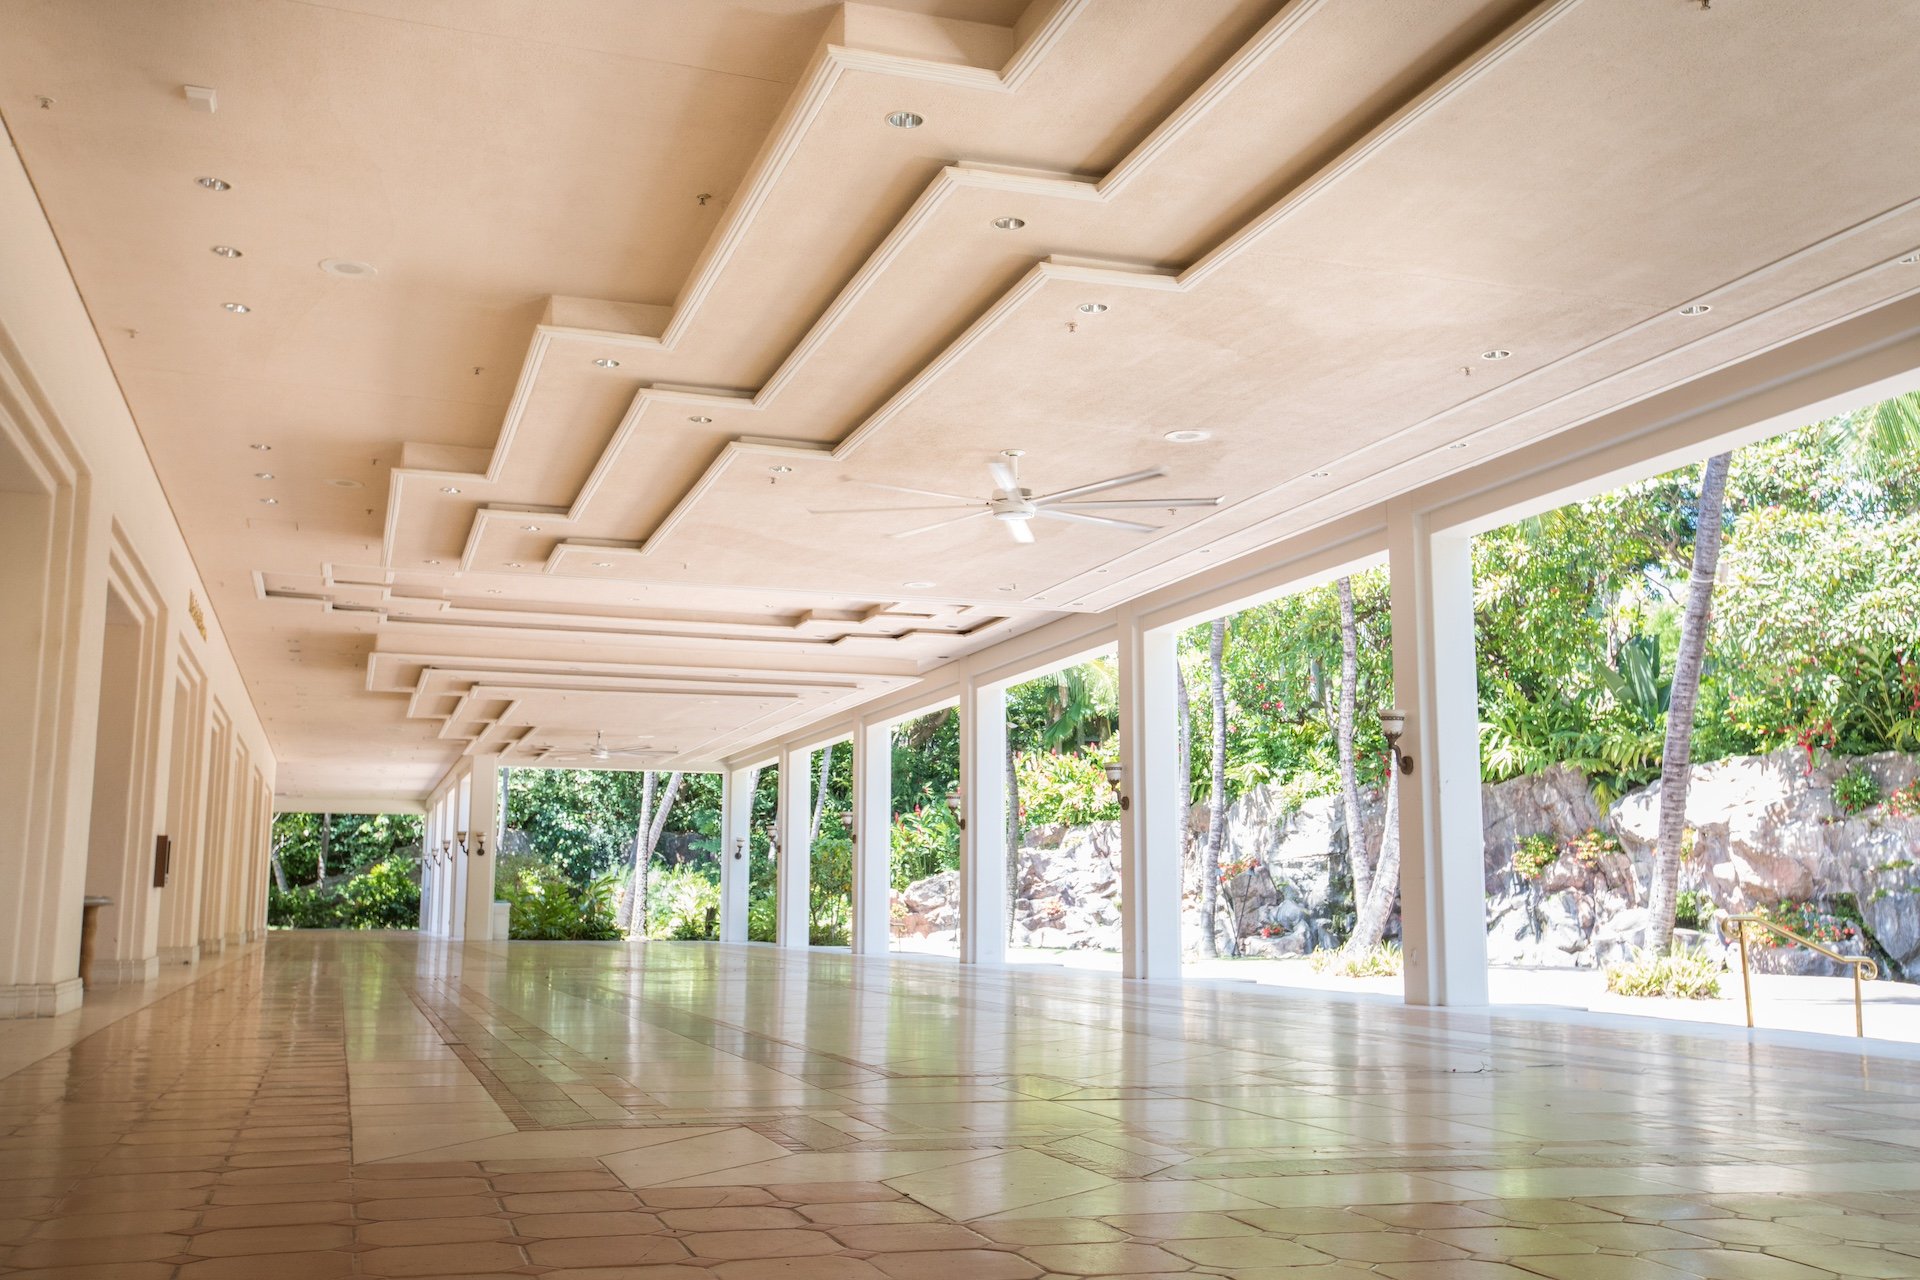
(1681,974)
(344,871)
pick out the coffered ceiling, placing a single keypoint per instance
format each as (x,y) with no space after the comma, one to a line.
(655,285)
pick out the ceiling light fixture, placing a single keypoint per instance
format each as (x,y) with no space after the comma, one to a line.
(1092,308)
(904,120)
(272,502)
(1495,354)
(345,484)
(603,564)
(1695,309)
(700,418)
(263,448)
(1009,224)
(263,475)
(214,184)
(1910,260)
(1006,588)
(227,251)
(916,586)
(348,267)
(433,562)
(1319,475)
(515,564)
(1458,444)
(447,488)
(1187,437)
(780,470)
(607,362)
(238,308)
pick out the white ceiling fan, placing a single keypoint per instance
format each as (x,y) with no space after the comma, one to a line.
(1016,508)
(601,751)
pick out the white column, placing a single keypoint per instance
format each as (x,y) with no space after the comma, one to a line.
(1149,818)
(1443,914)
(736,852)
(482,799)
(983,842)
(426,871)
(873,833)
(795,867)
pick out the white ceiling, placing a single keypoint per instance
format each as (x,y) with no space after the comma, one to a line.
(1306,222)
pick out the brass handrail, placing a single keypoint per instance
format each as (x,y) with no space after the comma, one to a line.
(1857,963)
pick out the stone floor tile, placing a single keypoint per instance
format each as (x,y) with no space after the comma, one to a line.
(280,1266)
(439,1259)
(740,1218)
(1851,1260)
(282,1214)
(1103,1259)
(1728,1264)
(433,1231)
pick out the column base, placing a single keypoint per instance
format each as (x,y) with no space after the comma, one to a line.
(211,947)
(179,955)
(115,973)
(238,938)
(40,999)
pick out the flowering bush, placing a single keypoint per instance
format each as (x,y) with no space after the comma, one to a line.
(1069,788)
(1536,853)
(1802,918)
(1591,846)
(1905,802)
(1855,791)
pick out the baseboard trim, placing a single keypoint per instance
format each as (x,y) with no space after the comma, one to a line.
(179,955)
(108,972)
(40,999)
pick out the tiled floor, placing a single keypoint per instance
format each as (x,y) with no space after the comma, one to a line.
(379,1106)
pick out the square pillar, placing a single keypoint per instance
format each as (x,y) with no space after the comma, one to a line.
(794,870)
(872,838)
(480,795)
(1443,913)
(1149,816)
(983,841)
(736,851)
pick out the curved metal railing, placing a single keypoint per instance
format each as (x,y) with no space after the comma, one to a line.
(1863,966)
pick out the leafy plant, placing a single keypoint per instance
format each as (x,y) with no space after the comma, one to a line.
(1382,961)
(1692,909)
(1682,974)
(1905,802)
(545,906)
(1590,846)
(924,842)
(683,904)
(1069,788)
(384,896)
(1855,791)
(1534,855)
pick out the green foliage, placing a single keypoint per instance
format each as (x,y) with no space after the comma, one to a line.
(683,903)
(1905,802)
(1590,846)
(384,896)
(1068,788)
(830,894)
(1828,927)
(1380,961)
(1534,855)
(546,906)
(1692,910)
(925,841)
(1855,791)
(353,842)
(1682,974)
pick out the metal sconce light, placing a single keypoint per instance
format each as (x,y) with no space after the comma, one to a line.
(1116,775)
(479,844)
(955,803)
(1393,723)
(739,848)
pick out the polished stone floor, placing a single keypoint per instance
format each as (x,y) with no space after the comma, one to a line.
(340,1105)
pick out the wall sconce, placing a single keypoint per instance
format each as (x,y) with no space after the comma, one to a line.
(1116,774)
(1393,723)
(479,844)
(739,848)
(956,802)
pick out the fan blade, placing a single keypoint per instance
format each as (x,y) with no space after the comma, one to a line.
(856,511)
(1135,504)
(1003,477)
(1021,530)
(938,524)
(924,493)
(1055,513)
(1098,485)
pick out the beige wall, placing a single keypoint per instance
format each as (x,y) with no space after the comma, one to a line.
(170,729)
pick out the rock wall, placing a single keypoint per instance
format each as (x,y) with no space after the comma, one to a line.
(1766,831)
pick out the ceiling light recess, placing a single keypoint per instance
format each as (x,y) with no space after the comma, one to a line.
(607,362)
(1092,308)
(1188,436)
(238,308)
(1009,224)
(215,184)
(263,448)
(1496,353)
(348,267)
(447,488)
(905,120)
(272,502)
(227,251)
(345,484)
(700,418)
(1910,260)
(916,586)
(1695,309)
(263,475)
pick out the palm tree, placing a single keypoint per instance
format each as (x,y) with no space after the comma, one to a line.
(1343,739)
(654,807)
(1676,759)
(1217,827)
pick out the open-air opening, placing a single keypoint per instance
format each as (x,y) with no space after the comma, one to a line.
(923,842)
(830,866)
(344,871)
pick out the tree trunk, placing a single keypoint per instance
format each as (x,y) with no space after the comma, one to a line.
(326,845)
(638,860)
(1373,913)
(1676,759)
(1013,838)
(655,805)
(1357,860)
(1217,827)
(279,872)
(820,796)
(1183,767)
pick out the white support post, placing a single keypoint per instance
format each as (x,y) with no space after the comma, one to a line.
(482,797)
(795,868)
(1149,819)
(736,852)
(1443,915)
(872,833)
(426,871)
(983,842)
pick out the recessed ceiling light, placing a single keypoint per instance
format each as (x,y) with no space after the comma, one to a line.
(916,586)
(700,417)
(515,564)
(214,184)
(1910,260)
(1319,475)
(344,484)
(1695,309)
(1495,354)
(529,528)
(607,362)
(263,448)
(780,470)
(1005,588)
(348,267)
(433,562)
(227,251)
(493,591)
(272,502)
(238,308)
(1187,437)
(1458,444)
(447,488)
(1009,224)
(904,120)
(603,564)
(1092,308)
(263,475)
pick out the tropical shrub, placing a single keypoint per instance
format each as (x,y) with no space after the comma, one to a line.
(1382,961)
(1905,802)
(1692,910)
(830,894)
(546,906)
(1534,855)
(683,903)
(1682,974)
(384,896)
(925,841)
(1590,846)
(1855,791)
(1066,788)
